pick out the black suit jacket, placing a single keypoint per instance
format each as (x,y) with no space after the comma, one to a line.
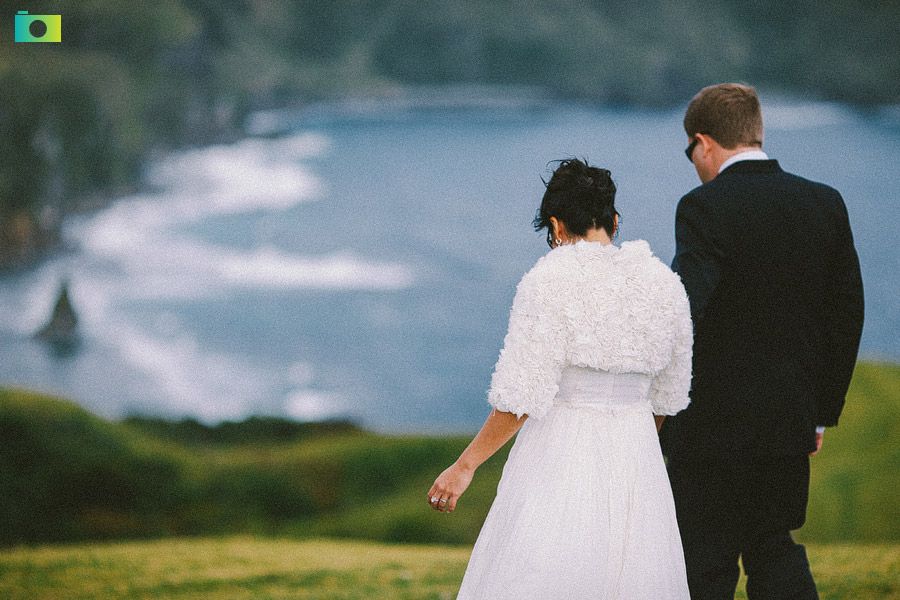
(773,278)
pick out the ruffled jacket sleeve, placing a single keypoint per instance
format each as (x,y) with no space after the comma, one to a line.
(670,387)
(527,374)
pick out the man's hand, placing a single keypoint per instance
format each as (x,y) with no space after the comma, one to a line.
(819,438)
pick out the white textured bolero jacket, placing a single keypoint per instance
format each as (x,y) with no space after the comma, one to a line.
(616,309)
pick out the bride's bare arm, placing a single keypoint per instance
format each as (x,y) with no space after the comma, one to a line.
(449,486)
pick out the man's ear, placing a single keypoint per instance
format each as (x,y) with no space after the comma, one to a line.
(706,143)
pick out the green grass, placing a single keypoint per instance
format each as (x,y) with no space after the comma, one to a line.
(236,568)
(852,572)
(232,568)
(68,476)
(853,487)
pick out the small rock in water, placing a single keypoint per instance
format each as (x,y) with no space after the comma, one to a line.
(61,331)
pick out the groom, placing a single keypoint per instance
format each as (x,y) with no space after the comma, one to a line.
(773,278)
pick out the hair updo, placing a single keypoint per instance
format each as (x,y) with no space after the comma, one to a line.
(581,196)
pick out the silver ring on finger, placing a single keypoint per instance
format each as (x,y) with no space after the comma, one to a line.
(434,499)
(443,501)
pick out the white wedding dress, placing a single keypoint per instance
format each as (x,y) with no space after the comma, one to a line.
(599,341)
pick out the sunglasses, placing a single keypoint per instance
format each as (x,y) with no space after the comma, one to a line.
(689,151)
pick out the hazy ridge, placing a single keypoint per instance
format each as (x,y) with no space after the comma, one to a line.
(80,117)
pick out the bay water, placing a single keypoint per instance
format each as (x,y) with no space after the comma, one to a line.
(358,260)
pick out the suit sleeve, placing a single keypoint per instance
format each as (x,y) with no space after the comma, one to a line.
(697,257)
(844,322)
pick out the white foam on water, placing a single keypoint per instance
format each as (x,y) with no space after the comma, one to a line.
(157,265)
(192,380)
(25,312)
(312,405)
(247,176)
(306,403)
(791,116)
(199,184)
(269,268)
(137,236)
(138,250)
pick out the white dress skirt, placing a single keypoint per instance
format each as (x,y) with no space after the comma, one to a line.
(584,508)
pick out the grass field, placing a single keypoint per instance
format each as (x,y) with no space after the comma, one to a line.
(240,568)
(66,475)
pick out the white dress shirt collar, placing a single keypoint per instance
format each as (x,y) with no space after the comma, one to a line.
(748,155)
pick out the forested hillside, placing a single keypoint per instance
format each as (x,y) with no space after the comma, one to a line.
(77,118)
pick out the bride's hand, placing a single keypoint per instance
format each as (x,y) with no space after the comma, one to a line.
(448,487)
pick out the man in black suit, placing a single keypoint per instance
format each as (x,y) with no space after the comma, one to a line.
(773,278)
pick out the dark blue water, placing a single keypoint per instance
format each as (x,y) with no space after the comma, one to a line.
(363,263)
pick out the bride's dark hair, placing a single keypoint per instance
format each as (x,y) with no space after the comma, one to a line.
(581,196)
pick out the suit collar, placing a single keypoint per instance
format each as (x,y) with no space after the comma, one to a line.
(754,154)
(752,166)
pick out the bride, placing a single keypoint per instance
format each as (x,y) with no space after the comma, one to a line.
(599,342)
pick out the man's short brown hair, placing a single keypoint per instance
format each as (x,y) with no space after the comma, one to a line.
(729,113)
